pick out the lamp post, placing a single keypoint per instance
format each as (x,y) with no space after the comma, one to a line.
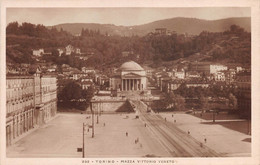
(83,144)
(97,111)
(92,112)
(214,116)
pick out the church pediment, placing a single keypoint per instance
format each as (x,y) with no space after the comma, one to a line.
(131,75)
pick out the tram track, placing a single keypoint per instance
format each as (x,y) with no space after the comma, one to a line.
(175,141)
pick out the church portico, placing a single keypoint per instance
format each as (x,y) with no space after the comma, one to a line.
(131,84)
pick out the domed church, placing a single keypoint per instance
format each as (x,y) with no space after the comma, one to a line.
(130,77)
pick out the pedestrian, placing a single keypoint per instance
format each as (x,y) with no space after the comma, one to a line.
(188,132)
(145,124)
(126,134)
(165,119)
(135,141)
(104,124)
(174,121)
(205,140)
(172,115)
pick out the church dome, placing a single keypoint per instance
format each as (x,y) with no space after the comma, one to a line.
(130,65)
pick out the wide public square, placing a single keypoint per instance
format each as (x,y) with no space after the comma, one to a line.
(123,135)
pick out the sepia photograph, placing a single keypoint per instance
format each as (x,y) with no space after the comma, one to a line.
(109,84)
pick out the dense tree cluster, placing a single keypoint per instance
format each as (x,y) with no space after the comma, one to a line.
(73,96)
(198,97)
(213,90)
(33,30)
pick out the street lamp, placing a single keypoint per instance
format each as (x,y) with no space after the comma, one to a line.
(92,112)
(214,115)
(83,144)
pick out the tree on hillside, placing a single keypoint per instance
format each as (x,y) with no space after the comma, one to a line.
(204,103)
(13,28)
(232,101)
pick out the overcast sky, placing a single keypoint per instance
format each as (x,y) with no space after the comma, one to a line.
(117,16)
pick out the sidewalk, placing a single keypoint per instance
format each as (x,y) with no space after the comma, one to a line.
(36,127)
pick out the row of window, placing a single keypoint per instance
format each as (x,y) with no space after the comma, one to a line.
(20,124)
(49,97)
(15,94)
(17,83)
(11,107)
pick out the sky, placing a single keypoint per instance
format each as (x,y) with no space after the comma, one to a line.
(118,16)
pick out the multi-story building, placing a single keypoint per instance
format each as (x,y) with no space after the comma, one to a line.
(38,52)
(219,76)
(30,101)
(160,31)
(201,67)
(214,69)
(48,96)
(180,74)
(243,82)
(70,49)
(19,106)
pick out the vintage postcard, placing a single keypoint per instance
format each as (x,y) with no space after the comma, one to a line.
(130,82)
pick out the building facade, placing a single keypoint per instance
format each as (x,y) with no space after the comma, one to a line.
(243,95)
(38,52)
(129,77)
(30,102)
(19,106)
(214,69)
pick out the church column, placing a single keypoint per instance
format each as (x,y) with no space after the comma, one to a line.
(125,85)
(128,84)
(122,83)
(138,84)
(133,84)
(135,87)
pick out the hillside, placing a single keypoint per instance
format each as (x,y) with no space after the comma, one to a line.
(231,46)
(180,25)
